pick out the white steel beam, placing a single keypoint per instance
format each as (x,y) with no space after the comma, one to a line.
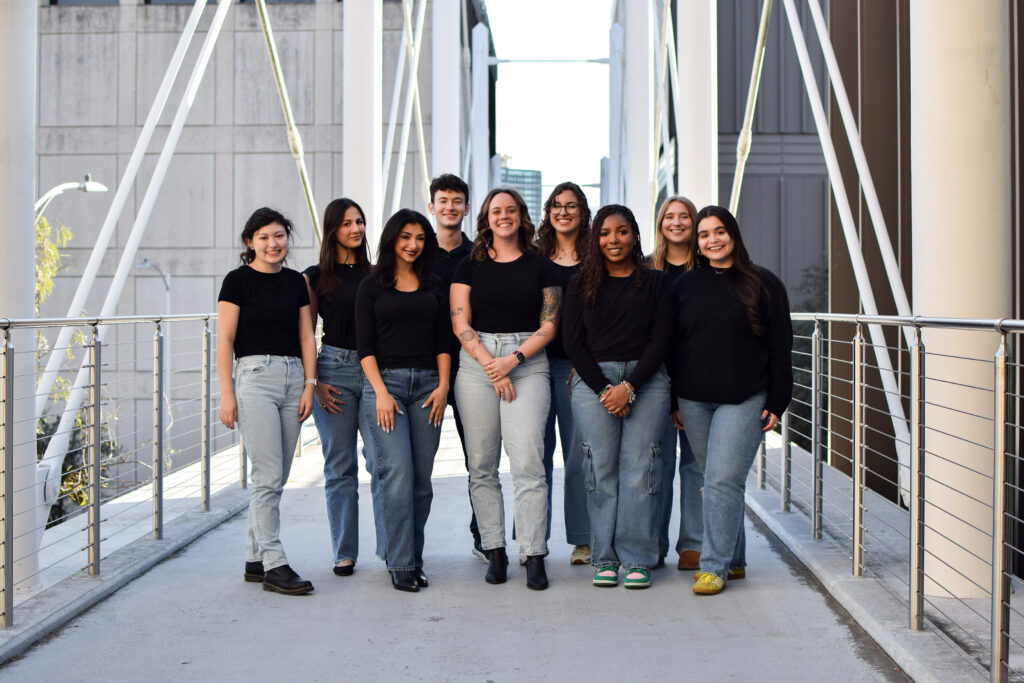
(696,88)
(639,122)
(615,95)
(446,87)
(480,126)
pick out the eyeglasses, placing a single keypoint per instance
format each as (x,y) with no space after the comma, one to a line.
(570,208)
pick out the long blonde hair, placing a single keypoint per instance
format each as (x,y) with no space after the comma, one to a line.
(660,255)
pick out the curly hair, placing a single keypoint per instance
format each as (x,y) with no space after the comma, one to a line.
(744,277)
(330,283)
(260,218)
(593,272)
(384,271)
(484,235)
(658,259)
(547,240)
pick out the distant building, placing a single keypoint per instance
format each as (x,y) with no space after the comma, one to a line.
(528,184)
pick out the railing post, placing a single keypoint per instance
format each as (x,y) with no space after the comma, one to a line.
(7,486)
(999,668)
(762,461)
(95,451)
(917,481)
(158,434)
(784,466)
(816,464)
(206,428)
(858,453)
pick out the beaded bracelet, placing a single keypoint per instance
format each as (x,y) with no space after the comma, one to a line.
(603,391)
(630,391)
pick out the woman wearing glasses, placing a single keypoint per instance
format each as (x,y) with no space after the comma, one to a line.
(561,237)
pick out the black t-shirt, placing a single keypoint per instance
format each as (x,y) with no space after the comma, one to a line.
(445,263)
(338,312)
(718,358)
(556,349)
(625,323)
(506,297)
(268,316)
(402,329)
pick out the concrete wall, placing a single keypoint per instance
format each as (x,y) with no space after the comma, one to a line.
(99,69)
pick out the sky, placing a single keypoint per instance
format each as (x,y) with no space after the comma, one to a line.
(553,116)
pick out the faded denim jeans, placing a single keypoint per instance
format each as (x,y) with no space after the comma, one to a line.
(489,423)
(267,390)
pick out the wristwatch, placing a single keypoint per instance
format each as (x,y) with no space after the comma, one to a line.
(519,357)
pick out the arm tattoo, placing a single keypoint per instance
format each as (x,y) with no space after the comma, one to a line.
(458,311)
(552,301)
(467,336)
(540,333)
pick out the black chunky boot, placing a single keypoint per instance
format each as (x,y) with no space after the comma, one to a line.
(404,580)
(536,575)
(497,566)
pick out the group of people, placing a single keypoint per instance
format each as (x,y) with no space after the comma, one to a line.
(519,330)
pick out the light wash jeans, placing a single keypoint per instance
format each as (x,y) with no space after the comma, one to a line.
(691,481)
(267,390)
(340,368)
(490,423)
(404,462)
(622,468)
(577,520)
(724,437)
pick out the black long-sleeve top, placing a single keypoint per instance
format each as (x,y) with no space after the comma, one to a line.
(401,329)
(718,358)
(562,274)
(625,323)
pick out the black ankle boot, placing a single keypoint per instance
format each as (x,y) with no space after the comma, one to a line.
(497,566)
(404,580)
(284,580)
(421,578)
(536,575)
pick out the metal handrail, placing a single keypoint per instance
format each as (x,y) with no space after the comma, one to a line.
(13,323)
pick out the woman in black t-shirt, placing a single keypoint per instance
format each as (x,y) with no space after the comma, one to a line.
(332,285)
(733,377)
(499,293)
(264,323)
(402,336)
(618,329)
(673,255)
(560,237)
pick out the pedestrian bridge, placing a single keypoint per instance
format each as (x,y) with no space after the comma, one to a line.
(895,556)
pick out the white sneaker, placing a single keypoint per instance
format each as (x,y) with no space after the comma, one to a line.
(580,555)
(480,553)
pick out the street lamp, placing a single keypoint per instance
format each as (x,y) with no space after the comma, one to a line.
(86,185)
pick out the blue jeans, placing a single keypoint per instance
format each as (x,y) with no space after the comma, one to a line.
(622,468)
(490,423)
(340,368)
(404,462)
(691,481)
(267,390)
(724,437)
(577,521)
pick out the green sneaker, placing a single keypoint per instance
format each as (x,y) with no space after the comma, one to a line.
(637,577)
(606,576)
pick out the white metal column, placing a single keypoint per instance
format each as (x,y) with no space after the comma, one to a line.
(613,193)
(480,144)
(960,156)
(446,88)
(639,120)
(17,185)
(362,109)
(697,120)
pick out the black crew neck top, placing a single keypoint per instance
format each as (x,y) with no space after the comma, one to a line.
(445,263)
(338,312)
(556,348)
(268,316)
(625,323)
(718,358)
(506,297)
(402,329)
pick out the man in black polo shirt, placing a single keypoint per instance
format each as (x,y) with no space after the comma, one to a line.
(449,204)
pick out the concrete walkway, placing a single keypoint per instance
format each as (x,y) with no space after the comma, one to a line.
(193,618)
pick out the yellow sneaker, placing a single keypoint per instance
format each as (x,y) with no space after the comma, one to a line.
(708,584)
(735,574)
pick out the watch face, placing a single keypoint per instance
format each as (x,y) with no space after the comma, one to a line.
(520,357)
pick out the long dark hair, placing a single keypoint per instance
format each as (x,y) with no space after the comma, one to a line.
(261,217)
(330,283)
(384,271)
(547,239)
(744,277)
(593,271)
(484,234)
